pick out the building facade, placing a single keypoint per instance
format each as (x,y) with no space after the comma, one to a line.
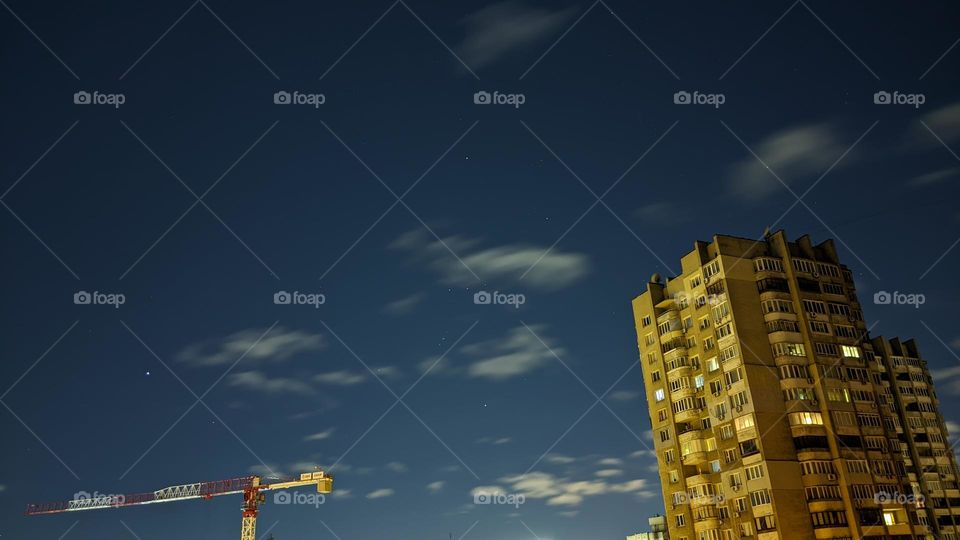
(775,415)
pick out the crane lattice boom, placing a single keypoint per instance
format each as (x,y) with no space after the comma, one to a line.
(249,486)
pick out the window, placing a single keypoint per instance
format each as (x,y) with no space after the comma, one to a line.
(765,523)
(659,395)
(792,371)
(655,376)
(804,265)
(839,309)
(846,331)
(744,422)
(698,382)
(664,435)
(680,520)
(806,419)
(662,415)
(713,364)
(777,306)
(649,339)
(739,399)
(704,323)
(740,504)
(711,269)
(754,472)
(715,466)
(767,264)
(850,352)
(815,307)
(707,343)
(761,496)
(724,331)
(646,320)
(674,476)
(729,353)
(819,327)
(788,349)
(721,311)
(733,376)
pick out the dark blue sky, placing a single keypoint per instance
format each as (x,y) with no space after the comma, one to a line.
(301,198)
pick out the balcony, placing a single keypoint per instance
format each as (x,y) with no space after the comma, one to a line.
(694,458)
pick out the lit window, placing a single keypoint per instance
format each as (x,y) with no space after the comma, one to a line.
(659,394)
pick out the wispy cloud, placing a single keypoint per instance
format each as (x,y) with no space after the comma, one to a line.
(624,395)
(258,381)
(558,459)
(793,153)
(934,177)
(397,467)
(340,378)
(947,379)
(321,436)
(436,487)
(499,29)
(276,346)
(380,493)
(944,122)
(517,353)
(559,491)
(494,440)
(404,305)
(550,271)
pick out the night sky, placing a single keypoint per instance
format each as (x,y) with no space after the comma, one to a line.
(398,198)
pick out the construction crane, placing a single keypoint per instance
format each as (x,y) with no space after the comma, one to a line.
(249,486)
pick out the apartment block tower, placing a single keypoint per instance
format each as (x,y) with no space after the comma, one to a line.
(775,414)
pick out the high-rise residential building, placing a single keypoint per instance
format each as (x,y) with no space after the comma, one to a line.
(775,415)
